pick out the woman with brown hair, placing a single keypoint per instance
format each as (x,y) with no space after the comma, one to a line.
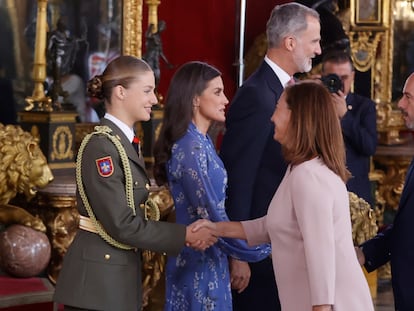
(308,222)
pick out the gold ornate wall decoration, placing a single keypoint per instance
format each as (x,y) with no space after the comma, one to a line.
(132,28)
(364,46)
(382,70)
(394,160)
(389,124)
(371,37)
(62,142)
(369,33)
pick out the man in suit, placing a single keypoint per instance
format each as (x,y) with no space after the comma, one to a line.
(396,244)
(358,120)
(252,157)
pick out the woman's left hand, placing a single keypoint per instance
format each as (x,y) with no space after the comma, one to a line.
(239,275)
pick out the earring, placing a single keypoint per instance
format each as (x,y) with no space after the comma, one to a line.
(196,102)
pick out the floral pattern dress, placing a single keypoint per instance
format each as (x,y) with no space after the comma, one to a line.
(200,280)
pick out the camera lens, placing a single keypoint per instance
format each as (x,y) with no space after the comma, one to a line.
(332,82)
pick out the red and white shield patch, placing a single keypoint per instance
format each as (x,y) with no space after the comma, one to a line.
(105,166)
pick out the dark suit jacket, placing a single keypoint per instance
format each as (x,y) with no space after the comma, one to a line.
(359,128)
(397,244)
(96,275)
(253,159)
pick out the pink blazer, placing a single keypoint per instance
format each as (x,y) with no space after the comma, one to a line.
(309,226)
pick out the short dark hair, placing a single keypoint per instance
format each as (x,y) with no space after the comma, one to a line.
(337,57)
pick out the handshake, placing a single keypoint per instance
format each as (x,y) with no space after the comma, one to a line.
(201,234)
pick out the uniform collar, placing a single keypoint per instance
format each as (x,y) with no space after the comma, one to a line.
(129,132)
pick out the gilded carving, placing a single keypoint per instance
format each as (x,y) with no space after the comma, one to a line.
(62,142)
(154,263)
(23,169)
(132,28)
(364,48)
(63,225)
(363,219)
(390,188)
(23,165)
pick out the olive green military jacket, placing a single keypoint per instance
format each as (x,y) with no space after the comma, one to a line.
(96,275)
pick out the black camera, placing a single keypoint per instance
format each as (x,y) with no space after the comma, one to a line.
(333,82)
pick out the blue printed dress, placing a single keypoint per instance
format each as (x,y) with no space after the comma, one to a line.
(195,280)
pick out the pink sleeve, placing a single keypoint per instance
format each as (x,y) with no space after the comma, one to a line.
(256,231)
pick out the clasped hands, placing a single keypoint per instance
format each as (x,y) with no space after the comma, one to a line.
(201,234)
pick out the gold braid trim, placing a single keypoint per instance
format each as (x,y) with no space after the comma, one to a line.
(151,210)
(105,130)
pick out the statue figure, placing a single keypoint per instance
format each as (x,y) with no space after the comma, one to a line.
(62,49)
(153,49)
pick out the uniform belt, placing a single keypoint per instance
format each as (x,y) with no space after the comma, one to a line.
(85,223)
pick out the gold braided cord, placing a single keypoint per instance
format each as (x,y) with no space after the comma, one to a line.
(151,210)
(105,130)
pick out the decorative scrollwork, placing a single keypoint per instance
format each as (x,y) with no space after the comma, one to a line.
(363,219)
(364,47)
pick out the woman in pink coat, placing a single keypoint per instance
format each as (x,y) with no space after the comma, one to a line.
(308,221)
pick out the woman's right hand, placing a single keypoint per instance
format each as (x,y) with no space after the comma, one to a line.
(201,234)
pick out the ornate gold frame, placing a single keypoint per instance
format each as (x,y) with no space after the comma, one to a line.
(367,12)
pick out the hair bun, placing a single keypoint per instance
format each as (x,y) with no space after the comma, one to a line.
(94,87)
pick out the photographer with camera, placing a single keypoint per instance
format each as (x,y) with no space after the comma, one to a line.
(358,120)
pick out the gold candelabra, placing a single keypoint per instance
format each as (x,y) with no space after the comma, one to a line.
(39,101)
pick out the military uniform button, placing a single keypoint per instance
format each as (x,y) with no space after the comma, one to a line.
(107,256)
(147,186)
(135,183)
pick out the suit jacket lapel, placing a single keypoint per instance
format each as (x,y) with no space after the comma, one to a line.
(272,80)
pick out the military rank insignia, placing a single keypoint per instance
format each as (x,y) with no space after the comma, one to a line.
(105,166)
